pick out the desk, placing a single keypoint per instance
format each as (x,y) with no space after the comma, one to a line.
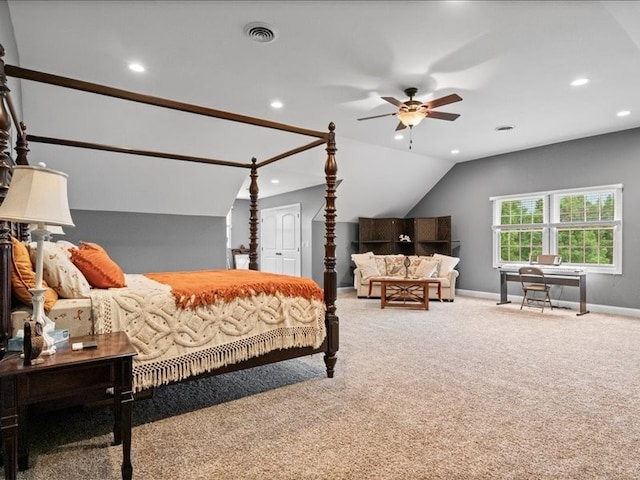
(83,374)
(405,292)
(554,276)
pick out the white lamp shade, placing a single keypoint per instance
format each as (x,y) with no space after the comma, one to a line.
(37,195)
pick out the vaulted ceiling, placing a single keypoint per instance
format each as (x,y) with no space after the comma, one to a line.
(331,61)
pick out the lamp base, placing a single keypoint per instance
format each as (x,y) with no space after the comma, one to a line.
(47,326)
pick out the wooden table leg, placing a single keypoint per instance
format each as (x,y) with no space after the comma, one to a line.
(125,409)
(9,426)
(123,393)
(425,295)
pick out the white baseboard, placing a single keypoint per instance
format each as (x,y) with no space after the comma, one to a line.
(610,309)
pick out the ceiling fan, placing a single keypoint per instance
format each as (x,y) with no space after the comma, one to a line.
(411,112)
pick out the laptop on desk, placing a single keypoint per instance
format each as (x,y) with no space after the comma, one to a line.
(549,260)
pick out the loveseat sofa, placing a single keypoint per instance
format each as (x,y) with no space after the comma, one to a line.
(437,266)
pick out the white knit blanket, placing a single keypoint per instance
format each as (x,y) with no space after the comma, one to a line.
(175,343)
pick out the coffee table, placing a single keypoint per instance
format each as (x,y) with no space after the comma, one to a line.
(405,292)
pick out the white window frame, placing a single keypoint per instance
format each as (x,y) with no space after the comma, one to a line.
(551,224)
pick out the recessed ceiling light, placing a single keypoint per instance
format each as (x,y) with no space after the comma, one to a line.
(136,67)
(579,82)
(455,151)
(398,136)
(275,180)
(276,104)
(623,113)
(505,128)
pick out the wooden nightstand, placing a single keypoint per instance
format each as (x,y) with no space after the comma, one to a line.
(82,375)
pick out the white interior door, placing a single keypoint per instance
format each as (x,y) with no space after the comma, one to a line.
(280,240)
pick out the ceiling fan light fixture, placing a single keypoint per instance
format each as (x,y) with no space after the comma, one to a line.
(410,118)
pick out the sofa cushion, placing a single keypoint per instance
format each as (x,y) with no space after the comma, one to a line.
(415,261)
(369,269)
(361,258)
(381,264)
(429,268)
(447,263)
(395,265)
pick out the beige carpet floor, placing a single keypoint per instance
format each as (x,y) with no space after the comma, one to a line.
(467,390)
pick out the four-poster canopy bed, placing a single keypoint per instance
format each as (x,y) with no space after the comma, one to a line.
(275,302)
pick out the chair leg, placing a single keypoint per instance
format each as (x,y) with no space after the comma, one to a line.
(524,297)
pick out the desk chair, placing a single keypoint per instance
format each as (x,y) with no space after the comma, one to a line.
(534,287)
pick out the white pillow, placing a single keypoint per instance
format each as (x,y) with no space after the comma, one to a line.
(381,263)
(428,268)
(361,258)
(59,272)
(446,263)
(369,269)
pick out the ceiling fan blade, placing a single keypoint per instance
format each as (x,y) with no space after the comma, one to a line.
(393,101)
(401,126)
(378,116)
(438,102)
(443,115)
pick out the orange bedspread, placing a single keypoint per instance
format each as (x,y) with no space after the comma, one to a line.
(204,287)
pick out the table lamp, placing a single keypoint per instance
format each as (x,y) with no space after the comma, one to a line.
(38,195)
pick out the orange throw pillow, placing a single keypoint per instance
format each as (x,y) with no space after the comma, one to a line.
(23,277)
(97,267)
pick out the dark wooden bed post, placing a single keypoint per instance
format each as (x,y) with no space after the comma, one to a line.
(253,217)
(330,276)
(5,229)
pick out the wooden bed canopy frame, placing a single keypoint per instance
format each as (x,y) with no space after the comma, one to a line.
(8,116)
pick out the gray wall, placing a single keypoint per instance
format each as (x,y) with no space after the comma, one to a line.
(346,235)
(240,223)
(142,243)
(600,160)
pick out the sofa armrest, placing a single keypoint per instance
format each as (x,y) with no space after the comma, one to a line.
(452,275)
(357,278)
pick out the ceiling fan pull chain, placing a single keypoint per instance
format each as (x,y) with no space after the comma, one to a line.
(410,136)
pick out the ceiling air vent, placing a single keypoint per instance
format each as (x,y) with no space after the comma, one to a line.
(260,32)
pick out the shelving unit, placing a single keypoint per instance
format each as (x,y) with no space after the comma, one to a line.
(428,235)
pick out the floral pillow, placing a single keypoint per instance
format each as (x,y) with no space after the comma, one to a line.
(415,261)
(395,265)
(59,271)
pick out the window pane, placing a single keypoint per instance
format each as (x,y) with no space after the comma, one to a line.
(590,207)
(519,245)
(525,211)
(586,245)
